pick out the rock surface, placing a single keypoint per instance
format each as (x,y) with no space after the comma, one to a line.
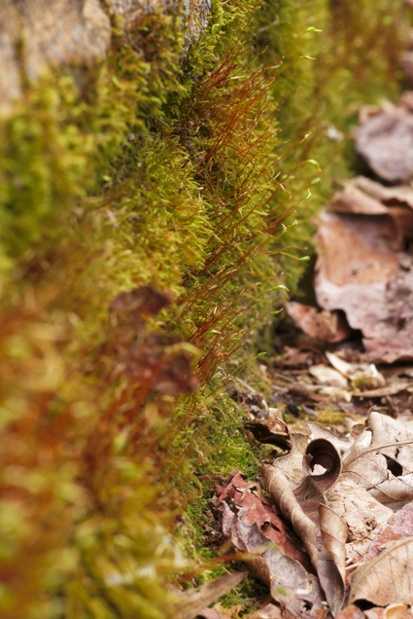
(35,34)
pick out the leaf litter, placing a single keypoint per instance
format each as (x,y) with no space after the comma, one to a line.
(331,522)
(329,525)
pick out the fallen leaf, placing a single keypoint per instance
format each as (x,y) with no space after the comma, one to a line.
(398,526)
(272,431)
(322,325)
(384,141)
(269,611)
(210,613)
(334,534)
(364,196)
(346,369)
(381,459)
(243,508)
(301,508)
(375,580)
(352,199)
(350,612)
(255,529)
(329,376)
(392,389)
(397,611)
(361,271)
(363,376)
(389,196)
(193,601)
(135,306)
(344,499)
(362,514)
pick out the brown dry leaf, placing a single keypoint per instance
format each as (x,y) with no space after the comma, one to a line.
(346,369)
(135,306)
(398,526)
(269,611)
(339,496)
(254,528)
(350,612)
(318,431)
(339,515)
(321,325)
(194,601)
(352,199)
(334,533)
(384,141)
(364,196)
(271,430)
(363,271)
(329,376)
(242,508)
(381,458)
(157,361)
(396,611)
(375,580)
(294,357)
(210,613)
(362,514)
(389,196)
(392,389)
(363,376)
(302,508)
(291,586)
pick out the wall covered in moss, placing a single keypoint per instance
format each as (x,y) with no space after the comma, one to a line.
(158,164)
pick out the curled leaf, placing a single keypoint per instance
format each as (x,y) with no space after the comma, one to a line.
(322,453)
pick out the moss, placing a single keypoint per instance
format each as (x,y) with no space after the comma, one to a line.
(336,58)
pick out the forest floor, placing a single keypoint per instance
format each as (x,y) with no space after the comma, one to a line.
(328,527)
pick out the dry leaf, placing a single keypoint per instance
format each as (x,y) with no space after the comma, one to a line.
(157,361)
(334,533)
(325,375)
(398,526)
(321,325)
(363,271)
(271,430)
(243,507)
(255,529)
(362,514)
(353,199)
(194,601)
(392,389)
(397,611)
(389,196)
(269,611)
(381,459)
(301,508)
(210,613)
(295,589)
(351,612)
(135,306)
(375,580)
(385,142)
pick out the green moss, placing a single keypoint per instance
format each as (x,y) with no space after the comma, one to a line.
(337,58)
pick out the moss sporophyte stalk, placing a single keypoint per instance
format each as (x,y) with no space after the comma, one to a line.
(150,201)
